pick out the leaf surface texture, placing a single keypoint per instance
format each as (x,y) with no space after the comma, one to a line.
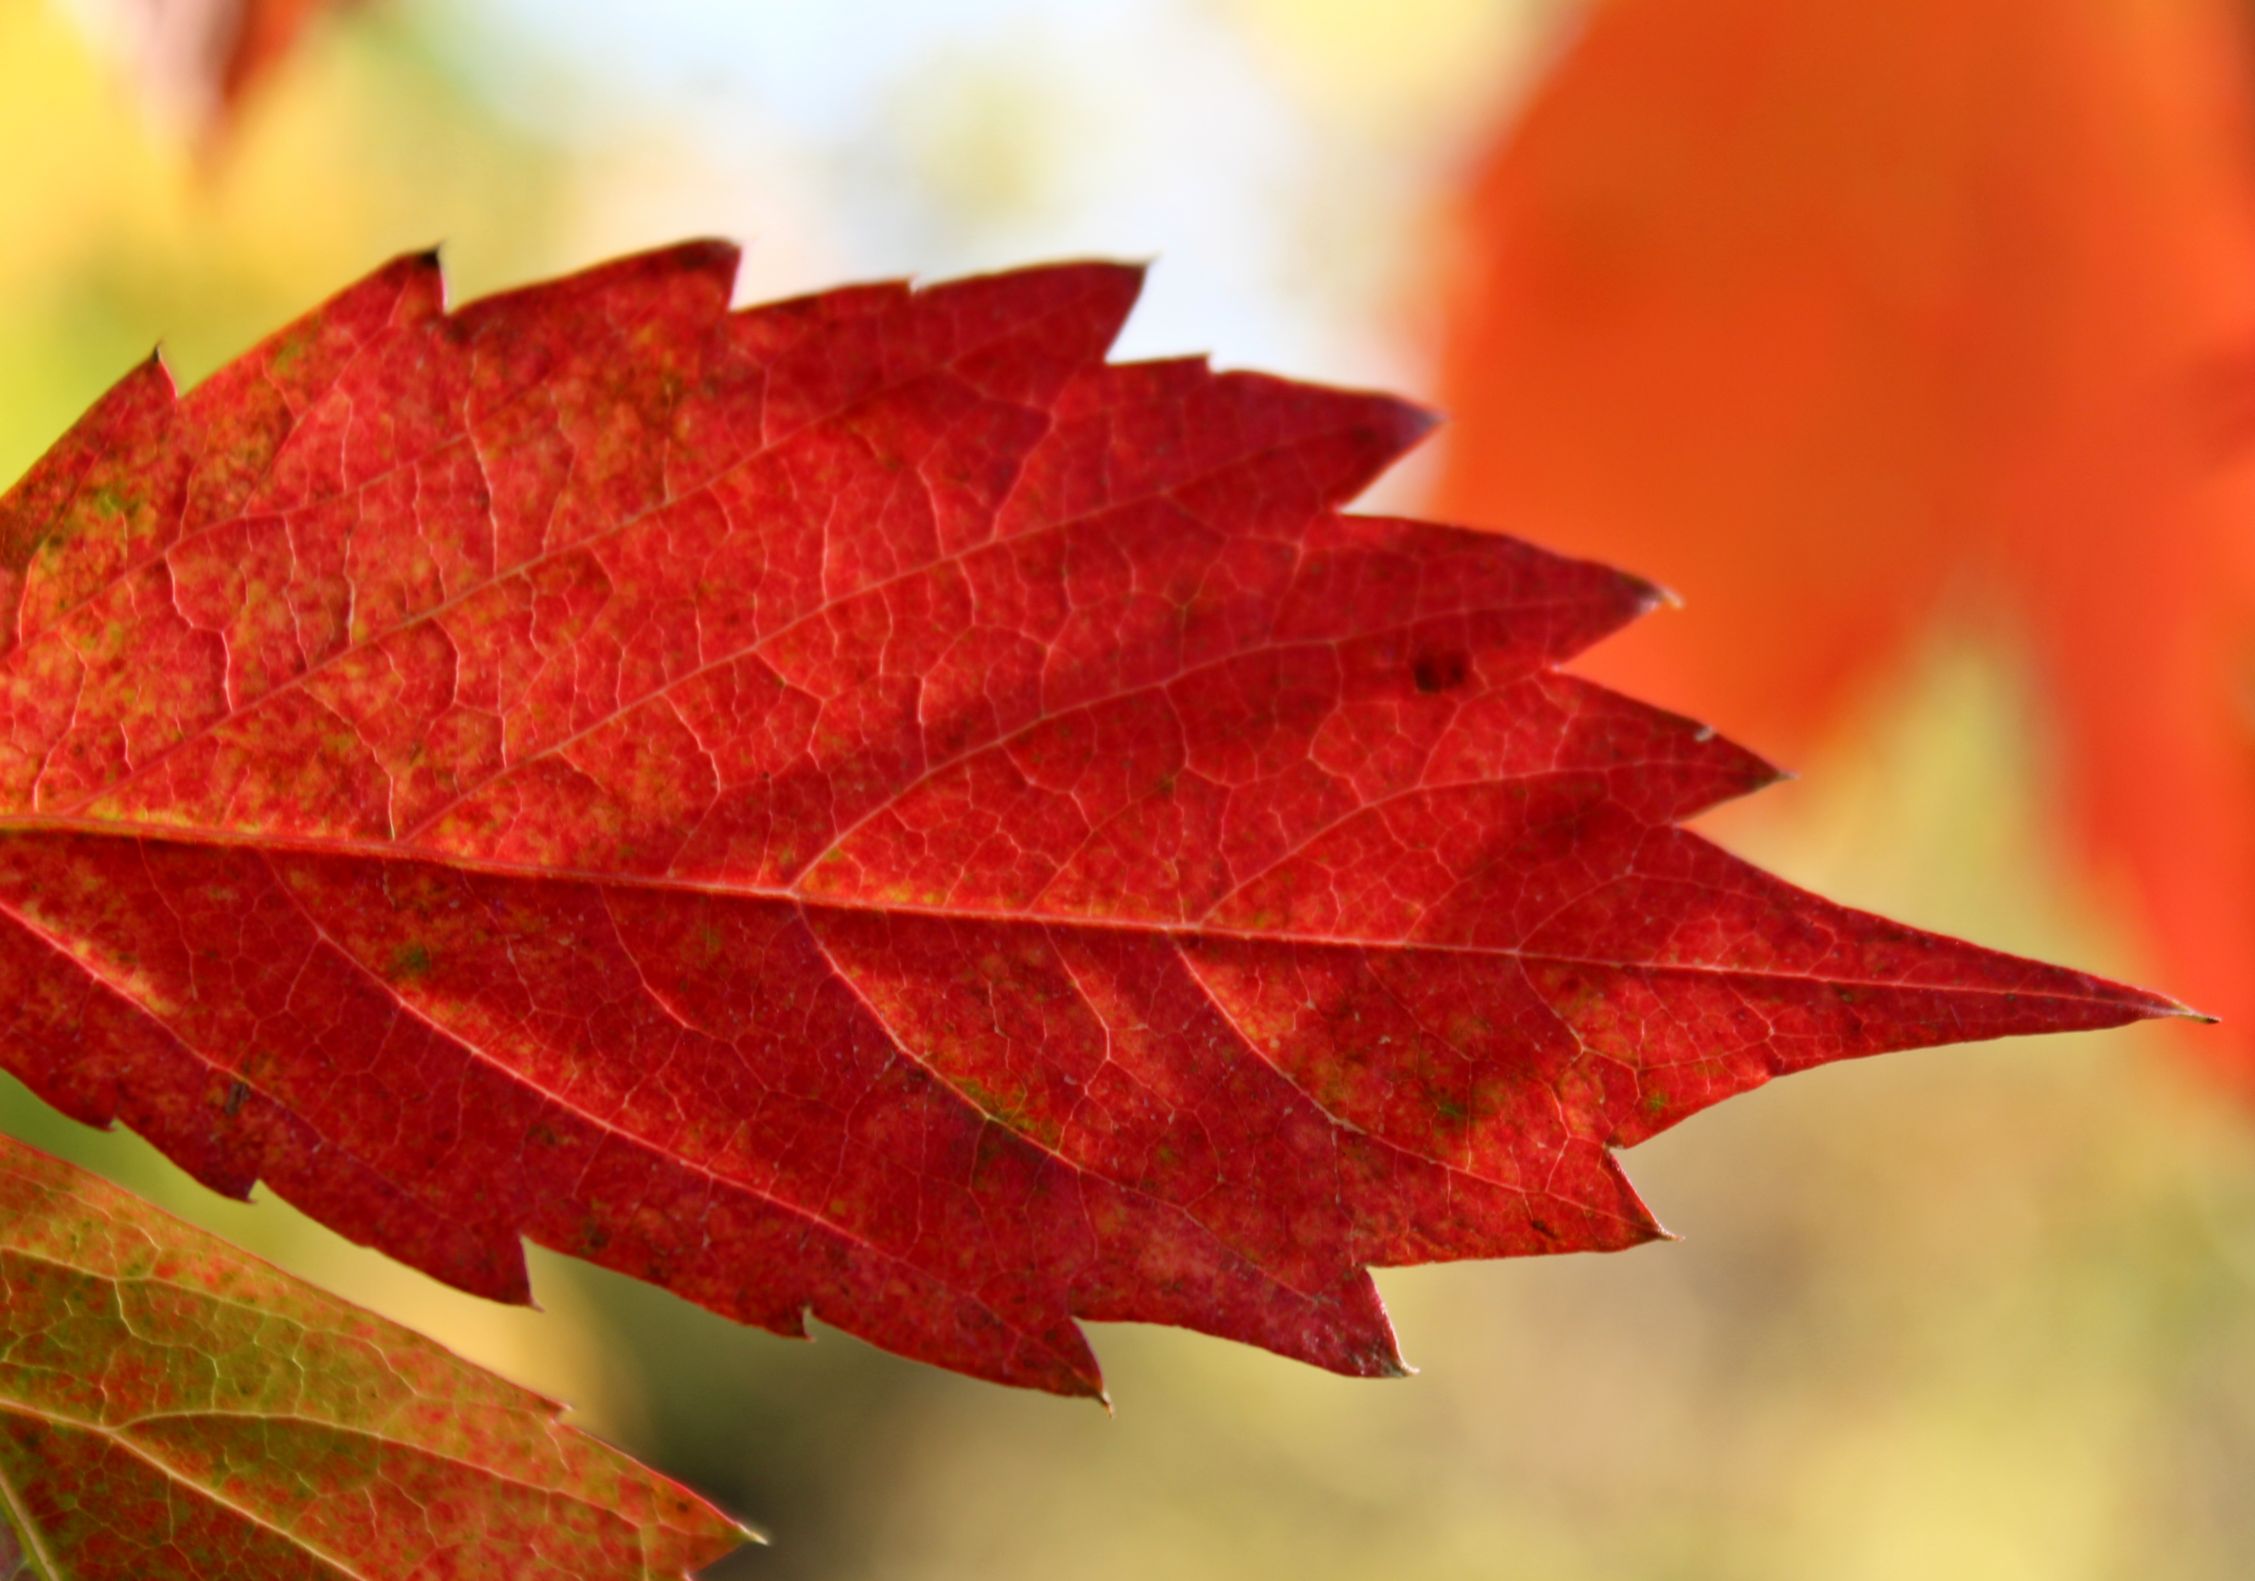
(860,806)
(172,1407)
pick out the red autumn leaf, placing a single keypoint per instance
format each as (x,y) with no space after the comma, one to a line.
(1836,317)
(862,807)
(171,1407)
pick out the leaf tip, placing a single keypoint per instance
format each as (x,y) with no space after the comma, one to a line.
(1412,422)
(154,366)
(717,253)
(2145,1004)
(1654,595)
(1133,274)
(714,258)
(744,1532)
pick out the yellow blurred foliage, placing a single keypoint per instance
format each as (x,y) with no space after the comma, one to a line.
(1386,66)
(118,236)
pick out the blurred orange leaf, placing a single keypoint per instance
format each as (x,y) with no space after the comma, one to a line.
(1834,316)
(197,61)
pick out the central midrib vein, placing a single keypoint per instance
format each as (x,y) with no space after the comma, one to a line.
(368,850)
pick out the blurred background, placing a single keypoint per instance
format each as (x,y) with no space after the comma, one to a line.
(1913,345)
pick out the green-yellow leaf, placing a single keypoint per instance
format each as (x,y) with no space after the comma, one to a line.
(171,1407)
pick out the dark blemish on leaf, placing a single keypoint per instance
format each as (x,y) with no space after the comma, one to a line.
(289,351)
(110,500)
(1440,672)
(410,961)
(236,1093)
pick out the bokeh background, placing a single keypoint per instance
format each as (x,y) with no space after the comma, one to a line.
(1985,1311)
